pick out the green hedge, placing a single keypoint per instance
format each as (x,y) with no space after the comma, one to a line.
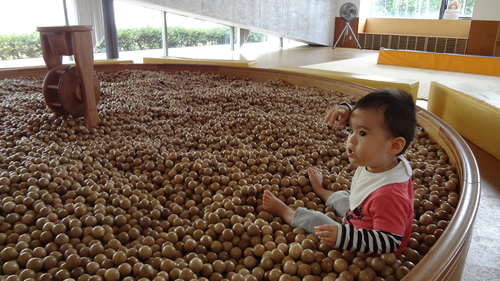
(144,38)
(27,45)
(20,46)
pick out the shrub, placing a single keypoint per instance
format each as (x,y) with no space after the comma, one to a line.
(27,45)
(20,46)
(145,38)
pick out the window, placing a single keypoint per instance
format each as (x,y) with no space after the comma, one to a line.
(18,22)
(23,16)
(422,9)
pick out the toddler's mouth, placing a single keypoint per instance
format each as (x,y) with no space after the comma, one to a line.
(350,152)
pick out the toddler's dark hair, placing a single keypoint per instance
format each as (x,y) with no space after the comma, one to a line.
(399,112)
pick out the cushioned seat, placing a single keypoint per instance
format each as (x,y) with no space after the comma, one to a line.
(177,60)
(470,110)
(113,61)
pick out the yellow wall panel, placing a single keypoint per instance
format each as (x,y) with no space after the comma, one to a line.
(471,111)
(446,62)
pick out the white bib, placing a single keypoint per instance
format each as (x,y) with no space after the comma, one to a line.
(365,182)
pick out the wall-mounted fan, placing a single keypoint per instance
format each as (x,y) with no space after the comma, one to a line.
(348,12)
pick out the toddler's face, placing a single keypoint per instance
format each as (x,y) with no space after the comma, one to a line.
(369,141)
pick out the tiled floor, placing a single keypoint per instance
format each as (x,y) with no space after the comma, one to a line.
(483,261)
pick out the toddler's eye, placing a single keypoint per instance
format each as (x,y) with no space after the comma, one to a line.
(362,133)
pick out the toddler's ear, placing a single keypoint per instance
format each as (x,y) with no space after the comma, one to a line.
(397,145)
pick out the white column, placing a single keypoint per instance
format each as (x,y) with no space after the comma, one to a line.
(164,34)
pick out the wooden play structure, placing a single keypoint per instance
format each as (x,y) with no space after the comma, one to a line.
(70,90)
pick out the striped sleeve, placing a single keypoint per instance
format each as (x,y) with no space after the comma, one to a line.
(367,241)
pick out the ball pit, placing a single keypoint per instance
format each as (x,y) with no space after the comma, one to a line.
(145,203)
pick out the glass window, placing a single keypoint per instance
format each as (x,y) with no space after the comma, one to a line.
(466,7)
(23,16)
(422,9)
(19,41)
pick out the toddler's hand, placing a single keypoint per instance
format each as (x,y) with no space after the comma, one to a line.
(327,234)
(340,112)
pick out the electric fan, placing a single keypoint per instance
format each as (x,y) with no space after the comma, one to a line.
(348,12)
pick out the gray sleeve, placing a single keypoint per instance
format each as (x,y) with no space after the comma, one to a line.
(308,219)
(339,201)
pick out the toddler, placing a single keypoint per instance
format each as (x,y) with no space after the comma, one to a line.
(378,211)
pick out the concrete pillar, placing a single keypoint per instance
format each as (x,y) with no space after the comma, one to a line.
(108,9)
(242,36)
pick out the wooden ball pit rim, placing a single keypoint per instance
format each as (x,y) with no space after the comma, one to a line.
(446,259)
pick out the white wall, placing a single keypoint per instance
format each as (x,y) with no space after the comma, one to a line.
(486,10)
(309,21)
